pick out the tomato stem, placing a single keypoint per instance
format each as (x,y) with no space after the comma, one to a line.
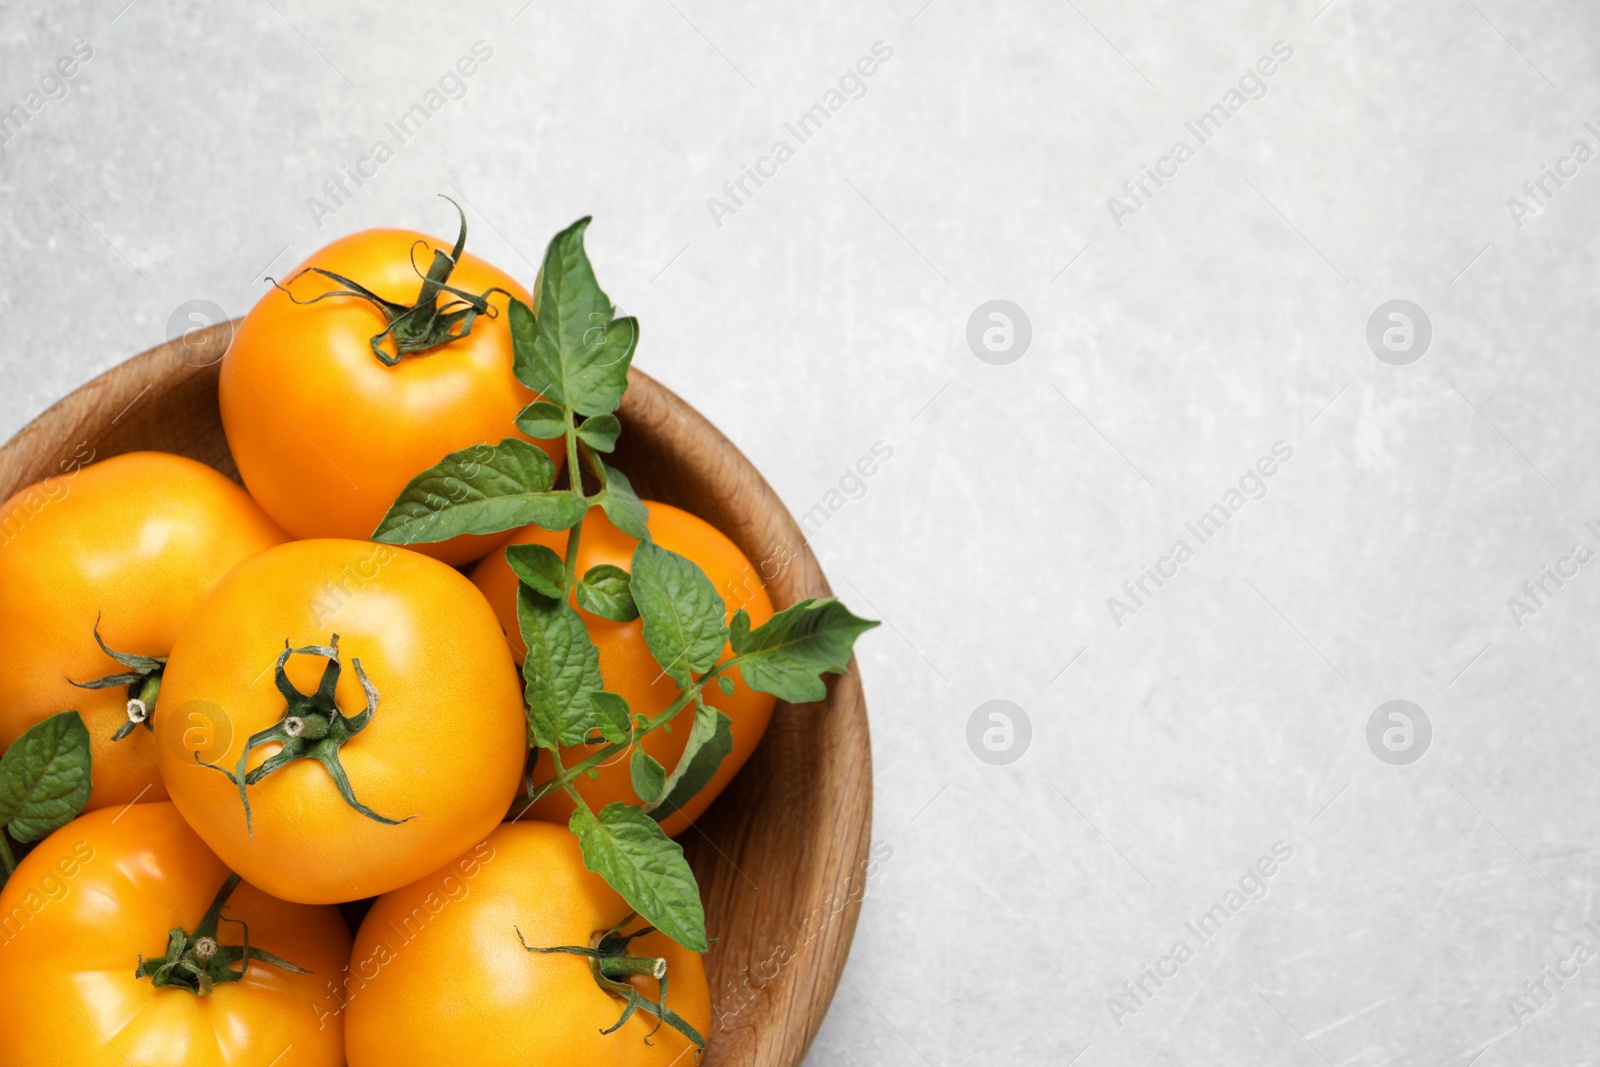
(143,679)
(312,727)
(423,324)
(609,962)
(574,537)
(6,857)
(596,467)
(575,480)
(199,962)
(619,967)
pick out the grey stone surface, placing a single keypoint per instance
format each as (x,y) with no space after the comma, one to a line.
(1174,341)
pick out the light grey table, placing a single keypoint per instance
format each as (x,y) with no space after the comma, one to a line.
(1171,735)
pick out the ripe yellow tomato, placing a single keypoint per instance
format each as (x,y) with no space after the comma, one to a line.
(625,660)
(439,973)
(368,627)
(106,890)
(326,435)
(135,542)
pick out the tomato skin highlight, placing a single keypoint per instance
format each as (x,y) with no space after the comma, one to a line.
(625,661)
(137,541)
(106,888)
(438,974)
(324,434)
(446,743)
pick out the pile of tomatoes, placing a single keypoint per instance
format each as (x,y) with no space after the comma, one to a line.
(309,837)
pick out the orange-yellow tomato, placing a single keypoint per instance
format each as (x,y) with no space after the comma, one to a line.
(625,660)
(324,434)
(135,541)
(439,975)
(106,889)
(443,750)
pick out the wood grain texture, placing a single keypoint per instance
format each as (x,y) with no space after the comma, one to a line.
(781,856)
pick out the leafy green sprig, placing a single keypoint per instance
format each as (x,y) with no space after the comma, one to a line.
(575,353)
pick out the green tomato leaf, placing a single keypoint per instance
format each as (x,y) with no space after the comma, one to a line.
(710,741)
(649,777)
(682,611)
(573,352)
(44,777)
(627,848)
(789,653)
(739,631)
(561,676)
(612,718)
(543,420)
(725,684)
(558,511)
(600,432)
(480,490)
(604,591)
(539,567)
(622,505)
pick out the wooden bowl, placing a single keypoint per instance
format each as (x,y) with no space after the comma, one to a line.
(781,855)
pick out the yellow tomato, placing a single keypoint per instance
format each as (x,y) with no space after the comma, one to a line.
(100,896)
(440,975)
(324,433)
(135,542)
(435,765)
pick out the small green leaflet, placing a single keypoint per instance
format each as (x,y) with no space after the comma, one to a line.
(649,777)
(539,567)
(612,717)
(788,654)
(698,765)
(573,353)
(561,675)
(627,848)
(44,777)
(543,421)
(682,612)
(604,592)
(622,505)
(480,490)
(703,728)
(600,432)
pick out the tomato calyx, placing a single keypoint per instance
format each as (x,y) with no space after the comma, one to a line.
(198,962)
(312,727)
(423,324)
(609,962)
(143,679)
